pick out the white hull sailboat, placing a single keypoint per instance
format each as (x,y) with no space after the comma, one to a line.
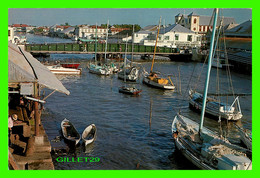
(152,79)
(99,69)
(205,148)
(215,108)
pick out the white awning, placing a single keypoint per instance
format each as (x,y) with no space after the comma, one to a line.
(23,67)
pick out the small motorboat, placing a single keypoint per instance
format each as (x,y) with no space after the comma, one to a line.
(89,134)
(69,132)
(129,90)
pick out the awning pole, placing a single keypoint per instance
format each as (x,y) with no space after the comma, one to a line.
(36,110)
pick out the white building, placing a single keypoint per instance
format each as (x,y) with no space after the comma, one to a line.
(198,23)
(174,36)
(90,32)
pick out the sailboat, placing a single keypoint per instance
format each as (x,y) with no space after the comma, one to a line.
(203,147)
(98,68)
(124,89)
(131,73)
(152,79)
(215,108)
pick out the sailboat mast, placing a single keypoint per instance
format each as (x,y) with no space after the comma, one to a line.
(209,69)
(125,59)
(156,44)
(106,42)
(96,46)
(132,57)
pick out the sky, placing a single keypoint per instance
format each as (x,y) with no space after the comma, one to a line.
(141,16)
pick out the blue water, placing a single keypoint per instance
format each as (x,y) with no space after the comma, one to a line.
(125,139)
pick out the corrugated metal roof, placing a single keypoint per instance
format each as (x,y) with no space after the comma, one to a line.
(23,67)
(149,28)
(175,28)
(244,29)
(205,20)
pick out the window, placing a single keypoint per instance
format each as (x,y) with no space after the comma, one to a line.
(176,37)
(200,28)
(136,35)
(189,38)
(195,20)
(166,37)
(204,28)
(194,29)
(9,33)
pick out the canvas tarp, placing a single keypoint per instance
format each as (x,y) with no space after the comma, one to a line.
(23,67)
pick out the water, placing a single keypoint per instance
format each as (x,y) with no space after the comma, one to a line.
(125,139)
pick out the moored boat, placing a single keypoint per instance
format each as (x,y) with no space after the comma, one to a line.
(70,65)
(129,90)
(215,108)
(153,79)
(89,135)
(69,132)
(203,147)
(56,69)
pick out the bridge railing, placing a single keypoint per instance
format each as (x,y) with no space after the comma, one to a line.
(90,47)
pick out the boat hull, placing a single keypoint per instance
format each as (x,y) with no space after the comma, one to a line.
(151,83)
(91,130)
(70,65)
(69,132)
(129,92)
(213,111)
(64,71)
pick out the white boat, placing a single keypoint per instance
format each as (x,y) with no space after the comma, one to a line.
(125,89)
(157,82)
(100,70)
(153,79)
(203,147)
(215,108)
(89,135)
(131,74)
(206,149)
(57,69)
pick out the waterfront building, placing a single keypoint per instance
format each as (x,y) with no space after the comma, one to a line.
(175,36)
(113,30)
(87,31)
(198,23)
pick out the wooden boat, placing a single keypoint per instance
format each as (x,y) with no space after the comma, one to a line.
(153,79)
(215,108)
(203,147)
(57,69)
(70,65)
(129,90)
(89,134)
(69,132)
(245,137)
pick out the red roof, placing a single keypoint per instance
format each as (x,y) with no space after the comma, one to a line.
(20,25)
